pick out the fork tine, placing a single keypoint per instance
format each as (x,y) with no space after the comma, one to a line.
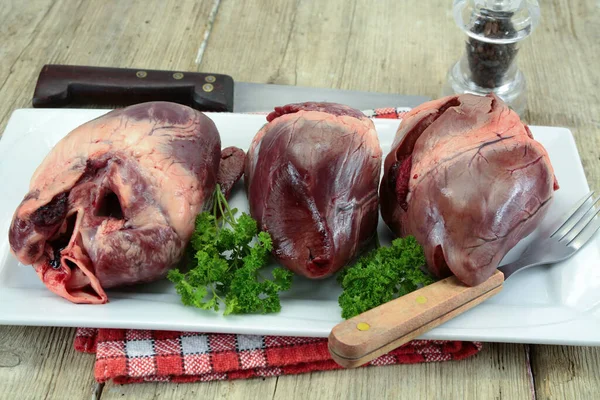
(565,227)
(579,225)
(581,239)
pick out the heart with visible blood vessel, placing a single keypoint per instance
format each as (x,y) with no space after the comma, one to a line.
(467,179)
(311,175)
(114,202)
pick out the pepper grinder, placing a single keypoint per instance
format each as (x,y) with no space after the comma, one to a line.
(494,31)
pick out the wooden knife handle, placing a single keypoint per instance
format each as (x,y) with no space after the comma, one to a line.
(64,85)
(371,334)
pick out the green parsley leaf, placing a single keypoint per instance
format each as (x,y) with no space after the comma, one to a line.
(227,256)
(381,276)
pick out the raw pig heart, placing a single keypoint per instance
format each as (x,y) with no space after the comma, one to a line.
(467,179)
(312,175)
(114,202)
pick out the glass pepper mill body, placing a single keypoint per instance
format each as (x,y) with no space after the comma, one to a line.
(494,30)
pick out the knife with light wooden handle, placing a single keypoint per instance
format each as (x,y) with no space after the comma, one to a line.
(363,338)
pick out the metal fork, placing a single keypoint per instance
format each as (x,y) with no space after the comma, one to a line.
(379,330)
(570,233)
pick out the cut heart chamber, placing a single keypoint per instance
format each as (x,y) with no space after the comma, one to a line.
(114,202)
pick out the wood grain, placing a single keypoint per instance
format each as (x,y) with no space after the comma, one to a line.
(496,373)
(378,46)
(18,29)
(563,76)
(155,35)
(254,389)
(565,372)
(38,363)
(384,45)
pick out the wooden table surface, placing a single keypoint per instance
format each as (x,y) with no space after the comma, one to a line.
(384,45)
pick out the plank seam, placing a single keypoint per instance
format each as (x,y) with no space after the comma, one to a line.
(275,388)
(97,392)
(341,77)
(528,357)
(209,25)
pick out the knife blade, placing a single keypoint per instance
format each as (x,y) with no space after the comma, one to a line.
(75,85)
(264,97)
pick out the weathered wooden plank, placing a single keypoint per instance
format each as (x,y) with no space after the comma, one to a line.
(18,29)
(253,389)
(560,61)
(385,46)
(155,34)
(41,363)
(565,372)
(497,372)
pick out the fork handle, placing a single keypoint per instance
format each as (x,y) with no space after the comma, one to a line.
(373,333)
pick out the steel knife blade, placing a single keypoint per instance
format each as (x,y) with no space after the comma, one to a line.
(264,97)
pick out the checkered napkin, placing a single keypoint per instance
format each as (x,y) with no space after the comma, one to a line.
(131,356)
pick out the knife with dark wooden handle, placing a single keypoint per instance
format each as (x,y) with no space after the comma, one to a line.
(66,85)
(363,338)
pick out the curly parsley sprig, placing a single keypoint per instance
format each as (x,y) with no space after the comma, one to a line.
(228,254)
(382,275)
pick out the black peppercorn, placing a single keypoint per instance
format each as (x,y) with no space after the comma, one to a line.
(488,61)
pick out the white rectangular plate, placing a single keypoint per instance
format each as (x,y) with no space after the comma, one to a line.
(554,304)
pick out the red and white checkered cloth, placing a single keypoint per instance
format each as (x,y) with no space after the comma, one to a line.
(131,356)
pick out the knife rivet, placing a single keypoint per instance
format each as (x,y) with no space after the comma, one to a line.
(141,74)
(207,87)
(363,326)
(177,75)
(421,300)
(210,78)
